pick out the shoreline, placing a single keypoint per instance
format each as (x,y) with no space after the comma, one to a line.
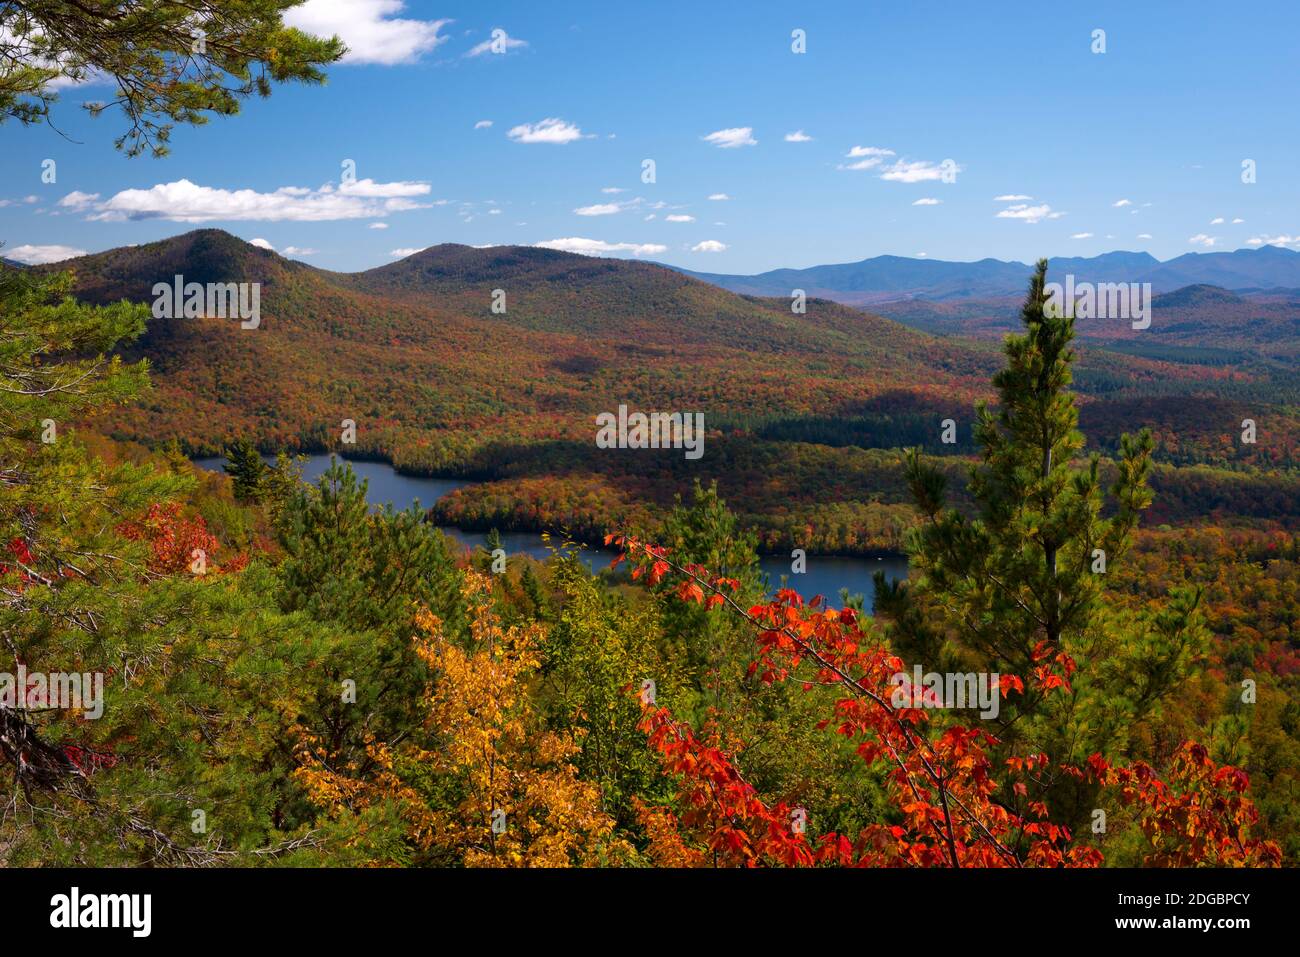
(514,527)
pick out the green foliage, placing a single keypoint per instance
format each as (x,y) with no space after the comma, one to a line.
(707,533)
(370,570)
(79,596)
(246,470)
(171,62)
(597,655)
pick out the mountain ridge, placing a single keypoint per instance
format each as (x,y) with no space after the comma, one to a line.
(892,278)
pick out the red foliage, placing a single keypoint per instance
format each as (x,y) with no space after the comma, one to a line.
(88,761)
(22,554)
(175,541)
(1200,817)
(943,784)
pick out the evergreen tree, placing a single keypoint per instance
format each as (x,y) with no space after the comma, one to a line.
(280,483)
(199,678)
(364,575)
(531,586)
(1025,577)
(707,533)
(246,469)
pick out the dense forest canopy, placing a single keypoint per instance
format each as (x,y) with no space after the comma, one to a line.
(294,677)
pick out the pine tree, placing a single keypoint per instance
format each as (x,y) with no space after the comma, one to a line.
(171,61)
(280,483)
(90,585)
(707,533)
(1024,579)
(246,469)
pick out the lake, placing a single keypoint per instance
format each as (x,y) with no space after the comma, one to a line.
(825,574)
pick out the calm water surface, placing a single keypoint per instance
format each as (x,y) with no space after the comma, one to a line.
(825,575)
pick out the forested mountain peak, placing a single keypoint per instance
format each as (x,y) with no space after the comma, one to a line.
(202,255)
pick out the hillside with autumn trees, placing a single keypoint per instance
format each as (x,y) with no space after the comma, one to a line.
(295,678)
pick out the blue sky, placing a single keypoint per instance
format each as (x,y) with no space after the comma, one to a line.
(1139,147)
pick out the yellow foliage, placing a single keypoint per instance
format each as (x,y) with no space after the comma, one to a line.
(519,802)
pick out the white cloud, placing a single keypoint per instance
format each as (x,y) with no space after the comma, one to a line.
(679,218)
(868,157)
(613,190)
(731,138)
(482,124)
(187,202)
(550,130)
(405,251)
(39,255)
(927,201)
(369,189)
(1217,221)
(78,200)
(798,136)
(719,197)
(919,172)
(1144,235)
(1200,239)
(1082,236)
(369,29)
(500,42)
(1023,211)
(598,247)
(709,246)
(1119,203)
(600,209)
(1011,198)
(261,243)
(1238,221)
(1282,240)
(378,225)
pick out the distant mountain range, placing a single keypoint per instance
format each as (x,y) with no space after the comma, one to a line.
(1199,317)
(892,278)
